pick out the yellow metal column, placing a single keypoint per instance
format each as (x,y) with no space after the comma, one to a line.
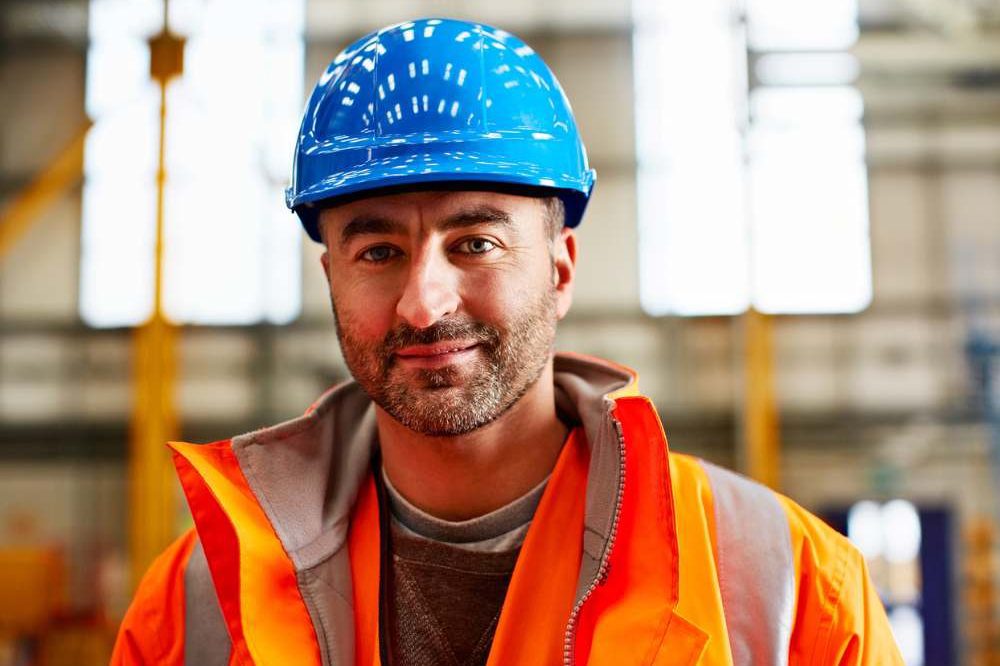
(154,415)
(760,454)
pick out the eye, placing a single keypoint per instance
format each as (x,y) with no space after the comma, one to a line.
(378,254)
(476,246)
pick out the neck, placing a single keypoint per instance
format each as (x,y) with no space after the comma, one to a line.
(465,476)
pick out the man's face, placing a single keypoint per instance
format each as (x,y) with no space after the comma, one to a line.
(446,302)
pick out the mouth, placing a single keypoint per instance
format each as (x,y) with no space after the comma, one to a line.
(436,355)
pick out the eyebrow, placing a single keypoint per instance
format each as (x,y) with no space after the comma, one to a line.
(373,224)
(483,214)
(368,224)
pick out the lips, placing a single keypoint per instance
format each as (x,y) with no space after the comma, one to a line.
(437,349)
(437,355)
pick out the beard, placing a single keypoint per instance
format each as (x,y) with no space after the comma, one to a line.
(454,400)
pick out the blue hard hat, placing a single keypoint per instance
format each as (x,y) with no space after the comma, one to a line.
(437,102)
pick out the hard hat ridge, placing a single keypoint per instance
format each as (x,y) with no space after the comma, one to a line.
(437,103)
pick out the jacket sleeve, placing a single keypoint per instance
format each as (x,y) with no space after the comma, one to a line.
(861,631)
(152,631)
(839,619)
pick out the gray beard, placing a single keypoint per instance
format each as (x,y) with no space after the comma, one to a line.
(437,402)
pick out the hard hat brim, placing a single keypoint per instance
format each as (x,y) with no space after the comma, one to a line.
(440,170)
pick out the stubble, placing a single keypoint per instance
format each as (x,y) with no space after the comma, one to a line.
(454,400)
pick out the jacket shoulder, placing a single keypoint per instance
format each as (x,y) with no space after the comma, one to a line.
(689,479)
(152,630)
(839,618)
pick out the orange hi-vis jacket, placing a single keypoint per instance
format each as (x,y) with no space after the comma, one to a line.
(635,556)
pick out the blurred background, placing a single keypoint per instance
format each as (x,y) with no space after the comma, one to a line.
(794,238)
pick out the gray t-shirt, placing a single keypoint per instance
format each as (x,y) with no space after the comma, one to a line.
(450,579)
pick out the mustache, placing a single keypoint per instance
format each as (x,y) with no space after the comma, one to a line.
(405,335)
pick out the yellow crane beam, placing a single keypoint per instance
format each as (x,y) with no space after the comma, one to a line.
(63,172)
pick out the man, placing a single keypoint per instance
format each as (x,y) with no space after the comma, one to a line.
(472,498)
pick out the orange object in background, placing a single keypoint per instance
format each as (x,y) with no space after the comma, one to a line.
(32,588)
(36,626)
(76,642)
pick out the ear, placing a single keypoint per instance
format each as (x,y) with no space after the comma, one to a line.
(564,270)
(325,260)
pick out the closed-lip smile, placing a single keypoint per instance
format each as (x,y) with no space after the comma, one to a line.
(438,354)
(436,349)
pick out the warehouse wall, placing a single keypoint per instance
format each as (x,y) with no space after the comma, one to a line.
(887,389)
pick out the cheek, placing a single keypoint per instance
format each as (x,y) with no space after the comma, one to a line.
(496,294)
(364,312)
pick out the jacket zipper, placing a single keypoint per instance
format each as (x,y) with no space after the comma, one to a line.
(602,568)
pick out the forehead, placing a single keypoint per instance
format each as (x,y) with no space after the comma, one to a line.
(430,208)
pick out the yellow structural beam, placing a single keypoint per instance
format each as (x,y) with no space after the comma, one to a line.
(63,172)
(154,414)
(761,442)
(152,506)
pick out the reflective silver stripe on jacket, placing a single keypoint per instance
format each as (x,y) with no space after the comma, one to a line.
(755,568)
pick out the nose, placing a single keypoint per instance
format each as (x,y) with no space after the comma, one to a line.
(430,292)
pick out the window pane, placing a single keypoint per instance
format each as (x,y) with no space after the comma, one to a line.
(802,25)
(231,250)
(809,201)
(692,219)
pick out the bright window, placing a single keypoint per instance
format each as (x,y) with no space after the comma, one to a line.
(793,25)
(750,192)
(808,200)
(231,249)
(693,230)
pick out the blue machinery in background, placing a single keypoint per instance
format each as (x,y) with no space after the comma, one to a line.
(984,357)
